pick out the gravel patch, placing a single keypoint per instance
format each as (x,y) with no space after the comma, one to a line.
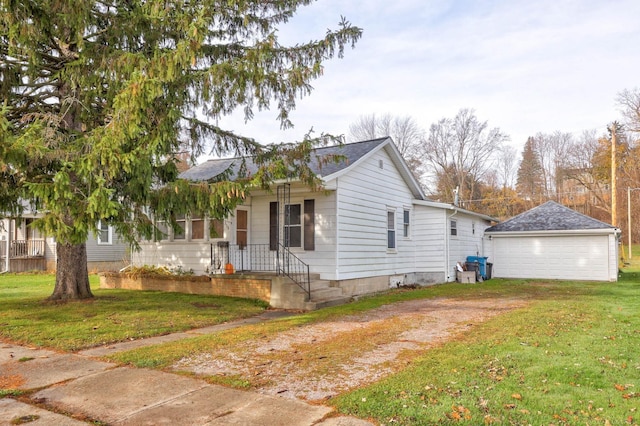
(304,362)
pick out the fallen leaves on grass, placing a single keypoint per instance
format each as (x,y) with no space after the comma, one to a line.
(459,412)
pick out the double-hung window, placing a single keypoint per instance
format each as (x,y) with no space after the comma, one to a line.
(391,229)
(197,228)
(406,223)
(293,226)
(179,233)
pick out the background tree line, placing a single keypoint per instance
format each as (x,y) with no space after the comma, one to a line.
(464,154)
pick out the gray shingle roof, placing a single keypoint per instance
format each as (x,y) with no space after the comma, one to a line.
(352,153)
(549,216)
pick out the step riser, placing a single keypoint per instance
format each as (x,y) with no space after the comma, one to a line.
(323,295)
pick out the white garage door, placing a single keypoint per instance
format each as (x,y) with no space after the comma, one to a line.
(566,257)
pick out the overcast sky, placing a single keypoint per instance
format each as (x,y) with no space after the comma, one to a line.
(525,66)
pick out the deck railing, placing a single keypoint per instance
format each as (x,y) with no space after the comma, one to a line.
(21,249)
(260,258)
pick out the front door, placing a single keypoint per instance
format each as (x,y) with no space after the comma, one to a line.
(241,228)
(242,261)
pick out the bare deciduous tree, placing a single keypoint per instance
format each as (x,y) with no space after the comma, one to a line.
(459,152)
(404,131)
(553,152)
(629,102)
(507,166)
(586,183)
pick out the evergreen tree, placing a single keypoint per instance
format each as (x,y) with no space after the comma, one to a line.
(99,96)
(530,184)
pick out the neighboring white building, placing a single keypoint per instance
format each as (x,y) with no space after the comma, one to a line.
(370,227)
(30,250)
(554,242)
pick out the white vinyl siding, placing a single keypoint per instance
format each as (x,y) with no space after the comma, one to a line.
(116,251)
(322,259)
(468,241)
(429,236)
(365,196)
(436,250)
(187,255)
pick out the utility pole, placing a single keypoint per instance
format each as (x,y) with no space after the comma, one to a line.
(629,216)
(614,188)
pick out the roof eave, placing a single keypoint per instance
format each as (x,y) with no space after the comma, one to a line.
(597,231)
(446,206)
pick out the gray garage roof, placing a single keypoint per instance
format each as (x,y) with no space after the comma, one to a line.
(351,152)
(549,216)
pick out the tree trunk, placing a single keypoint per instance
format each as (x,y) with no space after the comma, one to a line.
(72,276)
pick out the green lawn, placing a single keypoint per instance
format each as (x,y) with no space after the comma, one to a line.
(566,360)
(112,316)
(571,357)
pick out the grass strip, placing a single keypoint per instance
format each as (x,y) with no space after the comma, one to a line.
(26,317)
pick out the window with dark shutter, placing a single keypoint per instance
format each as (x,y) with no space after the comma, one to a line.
(293,226)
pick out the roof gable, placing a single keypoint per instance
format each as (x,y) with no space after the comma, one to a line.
(549,216)
(352,154)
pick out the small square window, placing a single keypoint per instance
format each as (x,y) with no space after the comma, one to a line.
(104,233)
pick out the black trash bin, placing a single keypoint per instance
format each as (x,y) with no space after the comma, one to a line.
(489,270)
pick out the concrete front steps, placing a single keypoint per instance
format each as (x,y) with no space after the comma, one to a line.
(323,295)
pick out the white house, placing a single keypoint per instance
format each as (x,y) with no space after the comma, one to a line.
(370,227)
(30,250)
(552,241)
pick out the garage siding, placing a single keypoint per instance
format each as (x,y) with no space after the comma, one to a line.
(548,257)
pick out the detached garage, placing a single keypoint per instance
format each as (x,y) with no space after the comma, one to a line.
(554,242)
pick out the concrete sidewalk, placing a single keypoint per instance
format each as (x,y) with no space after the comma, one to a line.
(67,387)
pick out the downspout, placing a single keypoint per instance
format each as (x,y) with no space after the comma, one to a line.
(337,242)
(447,236)
(7,260)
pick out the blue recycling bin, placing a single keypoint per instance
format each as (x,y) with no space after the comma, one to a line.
(482,265)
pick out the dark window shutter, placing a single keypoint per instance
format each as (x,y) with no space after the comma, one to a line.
(309,225)
(273,225)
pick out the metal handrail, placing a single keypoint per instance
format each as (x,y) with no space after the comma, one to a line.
(260,258)
(294,268)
